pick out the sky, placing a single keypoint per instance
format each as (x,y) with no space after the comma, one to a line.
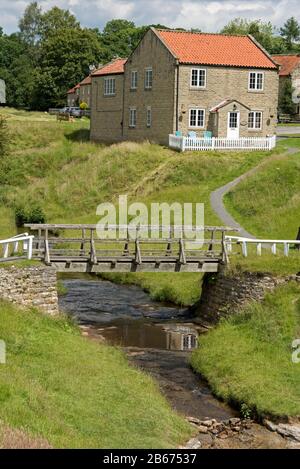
(208,15)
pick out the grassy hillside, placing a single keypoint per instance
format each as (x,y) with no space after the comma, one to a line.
(54,166)
(268,203)
(60,388)
(247,359)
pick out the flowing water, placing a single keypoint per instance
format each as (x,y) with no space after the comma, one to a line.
(156,337)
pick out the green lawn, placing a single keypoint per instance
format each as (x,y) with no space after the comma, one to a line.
(247,359)
(73,393)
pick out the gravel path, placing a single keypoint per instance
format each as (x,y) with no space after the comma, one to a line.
(216,197)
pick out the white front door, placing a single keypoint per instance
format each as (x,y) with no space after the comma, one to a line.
(233,129)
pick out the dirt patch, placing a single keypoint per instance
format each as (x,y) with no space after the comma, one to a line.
(11,438)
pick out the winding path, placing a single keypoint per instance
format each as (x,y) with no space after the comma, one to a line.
(216,197)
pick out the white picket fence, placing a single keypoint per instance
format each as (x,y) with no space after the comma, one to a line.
(271,244)
(218,143)
(19,246)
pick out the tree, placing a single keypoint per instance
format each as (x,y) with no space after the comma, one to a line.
(286,104)
(30,24)
(290,31)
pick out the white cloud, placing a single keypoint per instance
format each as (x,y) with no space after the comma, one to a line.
(208,15)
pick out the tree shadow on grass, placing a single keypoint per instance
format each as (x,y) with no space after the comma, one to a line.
(80,135)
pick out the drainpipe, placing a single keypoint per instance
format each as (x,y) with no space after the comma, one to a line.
(177,96)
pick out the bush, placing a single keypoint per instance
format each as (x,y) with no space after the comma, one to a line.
(34,215)
(83,106)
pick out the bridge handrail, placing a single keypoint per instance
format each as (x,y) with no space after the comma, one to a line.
(273,243)
(24,238)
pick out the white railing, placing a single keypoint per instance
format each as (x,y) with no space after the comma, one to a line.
(16,247)
(271,244)
(218,143)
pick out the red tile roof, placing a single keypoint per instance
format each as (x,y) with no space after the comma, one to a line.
(114,67)
(215,49)
(86,81)
(288,63)
(71,91)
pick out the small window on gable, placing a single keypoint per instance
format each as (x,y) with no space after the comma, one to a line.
(134,79)
(149,116)
(198,78)
(109,86)
(256,81)
(148,78)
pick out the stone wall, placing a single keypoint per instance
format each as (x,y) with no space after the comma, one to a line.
(224,293)
(30,287)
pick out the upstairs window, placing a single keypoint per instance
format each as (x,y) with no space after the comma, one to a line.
(198,78)
(256,81)
(255,120)
(109,86)
(148,78)
(132,118)
(197,118)
(134,79)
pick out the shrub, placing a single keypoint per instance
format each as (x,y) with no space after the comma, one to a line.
(4,137)
(33,215)
(83,106)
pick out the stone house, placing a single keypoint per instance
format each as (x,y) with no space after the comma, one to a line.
(184,81)
(85,91)
(289,71)
(73,96)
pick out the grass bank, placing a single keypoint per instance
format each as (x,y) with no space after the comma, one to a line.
(247,359)
(64,389)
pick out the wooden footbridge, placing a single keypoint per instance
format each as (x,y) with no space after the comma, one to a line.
(78,248)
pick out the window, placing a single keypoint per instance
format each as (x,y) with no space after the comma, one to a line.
(255,120)
(197,118)
(109,86)
(198,78)
(256,81)
(149,116)
(189,341)
(148,78)
(132,117)
(134,76)
(233,120)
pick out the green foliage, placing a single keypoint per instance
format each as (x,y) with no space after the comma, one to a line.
(247,359)
(286,104)
(290,32)
(29,215)
(83,106)
(77,393)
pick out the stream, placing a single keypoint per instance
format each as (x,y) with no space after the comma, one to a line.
(158,338)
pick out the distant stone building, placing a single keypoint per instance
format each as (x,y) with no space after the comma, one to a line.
(289,71)
(2,92)
(223,85)
(85,87)
(73,96)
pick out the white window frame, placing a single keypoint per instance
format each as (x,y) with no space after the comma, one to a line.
(109,86)
(256,89)
(148,85)
(197,118)
(254,128)
(198,86)
(149,117)
(132,117)
(133,80)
